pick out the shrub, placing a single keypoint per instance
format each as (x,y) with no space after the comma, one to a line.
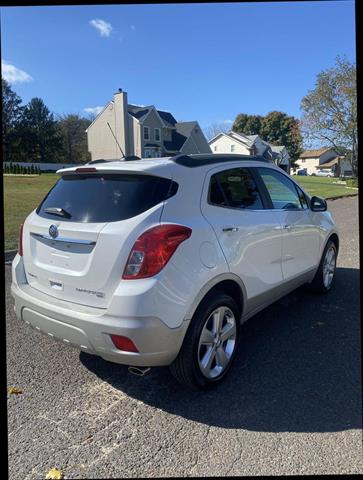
(352,182)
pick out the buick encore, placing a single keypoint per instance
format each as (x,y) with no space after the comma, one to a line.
(158,261)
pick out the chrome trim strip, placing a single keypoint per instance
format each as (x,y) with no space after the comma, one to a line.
(63,239)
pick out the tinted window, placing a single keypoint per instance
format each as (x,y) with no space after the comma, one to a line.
(105,197)
(234,188)
(303,199)
(281,190)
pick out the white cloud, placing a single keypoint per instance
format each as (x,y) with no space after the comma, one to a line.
(93,110)
(103,27)
(13,74)
(227,121)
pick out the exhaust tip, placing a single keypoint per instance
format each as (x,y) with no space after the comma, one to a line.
(139,371)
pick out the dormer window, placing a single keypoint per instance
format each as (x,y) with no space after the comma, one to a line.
(157,134)
(233,148)
(146,133)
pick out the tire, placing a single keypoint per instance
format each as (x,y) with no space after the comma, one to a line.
(320,283)
(187,367)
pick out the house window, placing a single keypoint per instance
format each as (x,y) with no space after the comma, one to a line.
(215,148)
(303,160)
(157,134)
(146,133)
(147,154)
(232,148)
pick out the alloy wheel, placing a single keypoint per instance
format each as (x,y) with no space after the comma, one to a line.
(329,267)
(217,342)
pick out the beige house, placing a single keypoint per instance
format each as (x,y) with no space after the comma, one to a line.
(324,158)
(232,142)
(124,129)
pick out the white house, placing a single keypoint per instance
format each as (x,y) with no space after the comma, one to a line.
(324,158)
(233,142)
(123,128)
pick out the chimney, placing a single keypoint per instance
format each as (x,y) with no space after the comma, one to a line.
(121,120)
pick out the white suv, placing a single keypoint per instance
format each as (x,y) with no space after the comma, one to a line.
(158,261)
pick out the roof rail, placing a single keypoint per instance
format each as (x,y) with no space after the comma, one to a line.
(199,160)
(99,160)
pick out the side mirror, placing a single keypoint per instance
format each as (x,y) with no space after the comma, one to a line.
(318,204)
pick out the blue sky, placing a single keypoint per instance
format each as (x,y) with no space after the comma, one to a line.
(207,62)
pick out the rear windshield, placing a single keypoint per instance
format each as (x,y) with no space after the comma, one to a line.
(104,197)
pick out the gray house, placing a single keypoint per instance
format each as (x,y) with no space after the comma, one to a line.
(143,131)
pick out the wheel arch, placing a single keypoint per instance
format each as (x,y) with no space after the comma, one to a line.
(335,239)
(226,283)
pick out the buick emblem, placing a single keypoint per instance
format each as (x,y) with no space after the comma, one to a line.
(53,231)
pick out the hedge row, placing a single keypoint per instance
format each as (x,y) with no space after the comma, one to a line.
(15,168)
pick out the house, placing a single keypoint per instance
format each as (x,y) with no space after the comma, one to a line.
(122,129)
(324,158)
(233,142)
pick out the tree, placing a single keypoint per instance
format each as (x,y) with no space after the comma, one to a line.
(247,124)
(278,128)
(330,110)
(11,115)
(214,129)
(39,137)
(74,138)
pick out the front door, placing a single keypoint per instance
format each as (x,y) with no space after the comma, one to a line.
(249,234)
(300,239)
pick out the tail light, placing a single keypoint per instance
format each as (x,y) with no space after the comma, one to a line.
(153,249)
(86,169)
(124,343)
(20,241)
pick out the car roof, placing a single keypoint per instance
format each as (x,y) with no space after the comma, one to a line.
(165,166)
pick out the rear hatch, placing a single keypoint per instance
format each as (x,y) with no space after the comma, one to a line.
(76,244)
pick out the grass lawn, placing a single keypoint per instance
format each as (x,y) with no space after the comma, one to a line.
(21,196)
(323,186)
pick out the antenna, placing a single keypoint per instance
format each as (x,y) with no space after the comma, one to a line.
(122,153)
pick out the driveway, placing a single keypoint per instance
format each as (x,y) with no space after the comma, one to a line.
(290,405)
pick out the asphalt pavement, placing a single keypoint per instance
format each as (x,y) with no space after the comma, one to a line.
(291,404)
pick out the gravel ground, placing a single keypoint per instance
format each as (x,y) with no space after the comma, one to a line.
(291,404)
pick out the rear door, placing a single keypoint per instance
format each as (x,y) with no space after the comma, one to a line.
(76,244)
(249,235)
(301,239)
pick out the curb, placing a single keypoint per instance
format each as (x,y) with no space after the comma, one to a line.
(343,196)
(9,255)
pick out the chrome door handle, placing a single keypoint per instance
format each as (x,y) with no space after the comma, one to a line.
(230,229)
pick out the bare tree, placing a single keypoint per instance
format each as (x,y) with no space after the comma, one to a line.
(215,128)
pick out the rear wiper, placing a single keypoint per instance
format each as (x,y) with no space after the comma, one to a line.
(57,211)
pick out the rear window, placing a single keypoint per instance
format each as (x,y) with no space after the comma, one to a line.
(104,197)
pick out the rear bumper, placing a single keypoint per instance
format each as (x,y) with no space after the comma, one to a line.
(89,328)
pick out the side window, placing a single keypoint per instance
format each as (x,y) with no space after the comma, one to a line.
(281,190)
(234,188)
(146,133)
(302,198)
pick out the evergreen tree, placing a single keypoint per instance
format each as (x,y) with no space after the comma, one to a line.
(11,116)
(39,137)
